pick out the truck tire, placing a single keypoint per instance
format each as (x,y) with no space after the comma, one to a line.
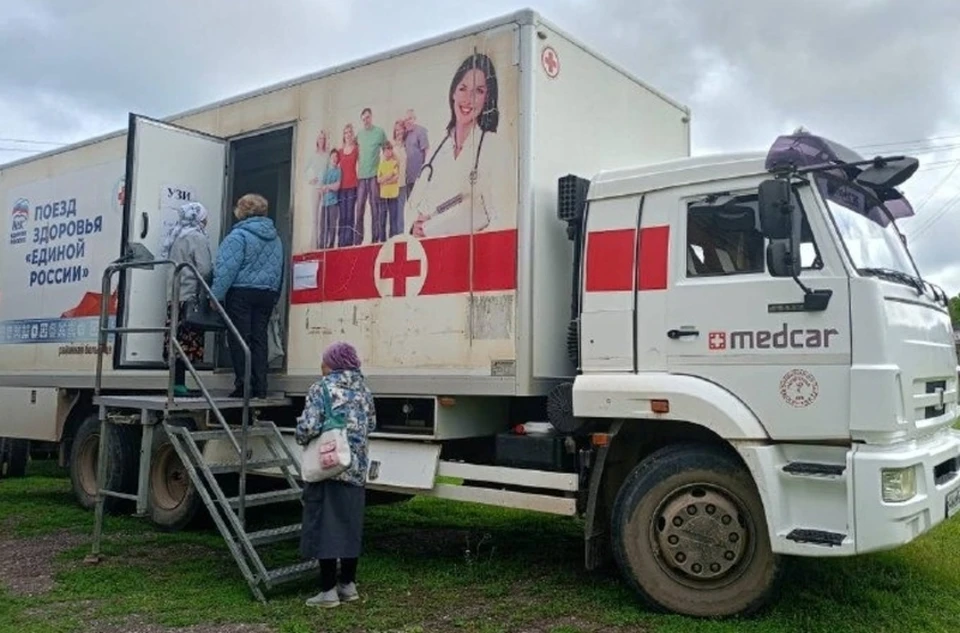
(14,455)
(174,500)
(123,451)
(689,534)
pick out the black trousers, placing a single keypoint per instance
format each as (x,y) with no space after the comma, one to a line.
(179,372)
(328,572)
(250,310)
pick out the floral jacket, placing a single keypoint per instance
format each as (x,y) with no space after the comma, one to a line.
(353,400)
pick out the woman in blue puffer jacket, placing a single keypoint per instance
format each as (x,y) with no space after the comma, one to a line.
(247,279)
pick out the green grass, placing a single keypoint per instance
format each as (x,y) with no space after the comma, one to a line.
(440,566)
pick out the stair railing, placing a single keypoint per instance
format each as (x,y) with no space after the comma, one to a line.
(176,351)
(175,347)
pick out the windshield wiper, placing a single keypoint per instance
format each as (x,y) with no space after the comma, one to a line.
(895,275)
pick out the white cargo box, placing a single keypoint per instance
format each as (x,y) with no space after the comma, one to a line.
(459,286)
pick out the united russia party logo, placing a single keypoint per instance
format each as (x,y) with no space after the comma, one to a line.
(18,221)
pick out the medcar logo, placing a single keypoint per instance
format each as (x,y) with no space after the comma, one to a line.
(784,338)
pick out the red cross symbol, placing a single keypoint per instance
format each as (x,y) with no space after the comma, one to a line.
(550,61)
(718,340)
(400,269)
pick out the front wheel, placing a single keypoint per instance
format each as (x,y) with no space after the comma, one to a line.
(689,534)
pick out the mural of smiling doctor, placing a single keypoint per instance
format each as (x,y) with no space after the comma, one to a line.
(453,194)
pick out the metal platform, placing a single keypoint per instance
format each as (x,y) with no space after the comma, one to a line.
(160,402)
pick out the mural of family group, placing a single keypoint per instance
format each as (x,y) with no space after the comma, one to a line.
(394,172)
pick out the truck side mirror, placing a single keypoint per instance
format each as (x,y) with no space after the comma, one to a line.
(780,222)
(888,174)
(782,259)
(775,208)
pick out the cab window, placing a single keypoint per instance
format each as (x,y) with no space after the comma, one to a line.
(724,238)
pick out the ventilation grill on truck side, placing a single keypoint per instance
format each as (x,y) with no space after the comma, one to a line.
(571,198)
(571,208)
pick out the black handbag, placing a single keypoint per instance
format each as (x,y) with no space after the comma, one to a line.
(200,315)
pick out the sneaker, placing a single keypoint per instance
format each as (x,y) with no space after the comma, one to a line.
(325,600)
(181,391)
(348,593)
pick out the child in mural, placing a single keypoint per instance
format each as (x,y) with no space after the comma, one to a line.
(400,153)
(316,169)
(453,194)
(388,179)
(349,153)
(331,208)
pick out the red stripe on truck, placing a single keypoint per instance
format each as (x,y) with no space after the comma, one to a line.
(611,255)
(351,274)
(610,260)
(653,249)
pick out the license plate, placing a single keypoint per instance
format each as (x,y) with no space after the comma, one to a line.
(953,502)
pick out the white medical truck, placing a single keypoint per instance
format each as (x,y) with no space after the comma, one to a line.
(717,362)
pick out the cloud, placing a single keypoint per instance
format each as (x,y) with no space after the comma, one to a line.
(862,71)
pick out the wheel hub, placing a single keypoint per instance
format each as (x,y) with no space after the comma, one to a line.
(171,482)
(701,534)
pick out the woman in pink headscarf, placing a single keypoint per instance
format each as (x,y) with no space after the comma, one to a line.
(333,509)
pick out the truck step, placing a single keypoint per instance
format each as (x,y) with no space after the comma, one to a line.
(815,469)
(816,537)
(220,434)
(275,535)
(265,498)
(291,573)
(234,467)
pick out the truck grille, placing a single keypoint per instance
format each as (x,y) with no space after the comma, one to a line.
(928,403)
(935,411)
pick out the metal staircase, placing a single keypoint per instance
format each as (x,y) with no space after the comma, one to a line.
(148,410)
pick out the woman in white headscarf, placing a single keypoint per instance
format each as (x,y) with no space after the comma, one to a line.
(186,241)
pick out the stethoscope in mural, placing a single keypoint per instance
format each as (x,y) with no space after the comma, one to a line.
(428,167)
(448,204)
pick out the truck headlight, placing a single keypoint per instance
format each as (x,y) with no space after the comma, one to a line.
(898,484)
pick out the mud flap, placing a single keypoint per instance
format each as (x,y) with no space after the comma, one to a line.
(596,532)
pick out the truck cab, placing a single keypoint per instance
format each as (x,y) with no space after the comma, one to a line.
(771,373)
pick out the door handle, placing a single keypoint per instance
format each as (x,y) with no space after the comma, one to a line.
(675,334)
(146,225)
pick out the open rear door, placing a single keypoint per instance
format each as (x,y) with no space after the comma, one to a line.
(167,166)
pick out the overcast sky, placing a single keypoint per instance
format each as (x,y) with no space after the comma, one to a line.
(873,74)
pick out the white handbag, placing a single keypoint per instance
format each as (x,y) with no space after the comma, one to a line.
(329,454)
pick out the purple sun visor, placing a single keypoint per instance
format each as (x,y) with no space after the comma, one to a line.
(800,150)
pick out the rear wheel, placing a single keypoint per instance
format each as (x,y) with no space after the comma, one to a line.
(174,500)
(689,534)
(123,458)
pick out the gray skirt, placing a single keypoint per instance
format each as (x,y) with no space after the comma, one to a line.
(332,520)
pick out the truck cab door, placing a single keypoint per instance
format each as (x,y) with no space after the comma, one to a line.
(732,324)
(167,166)
(608,308)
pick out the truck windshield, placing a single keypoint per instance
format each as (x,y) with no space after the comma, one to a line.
(868,232)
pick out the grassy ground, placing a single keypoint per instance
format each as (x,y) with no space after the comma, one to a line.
(429,566)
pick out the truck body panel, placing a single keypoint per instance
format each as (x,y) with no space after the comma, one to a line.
(589,117)
(485,313)
(33,414)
